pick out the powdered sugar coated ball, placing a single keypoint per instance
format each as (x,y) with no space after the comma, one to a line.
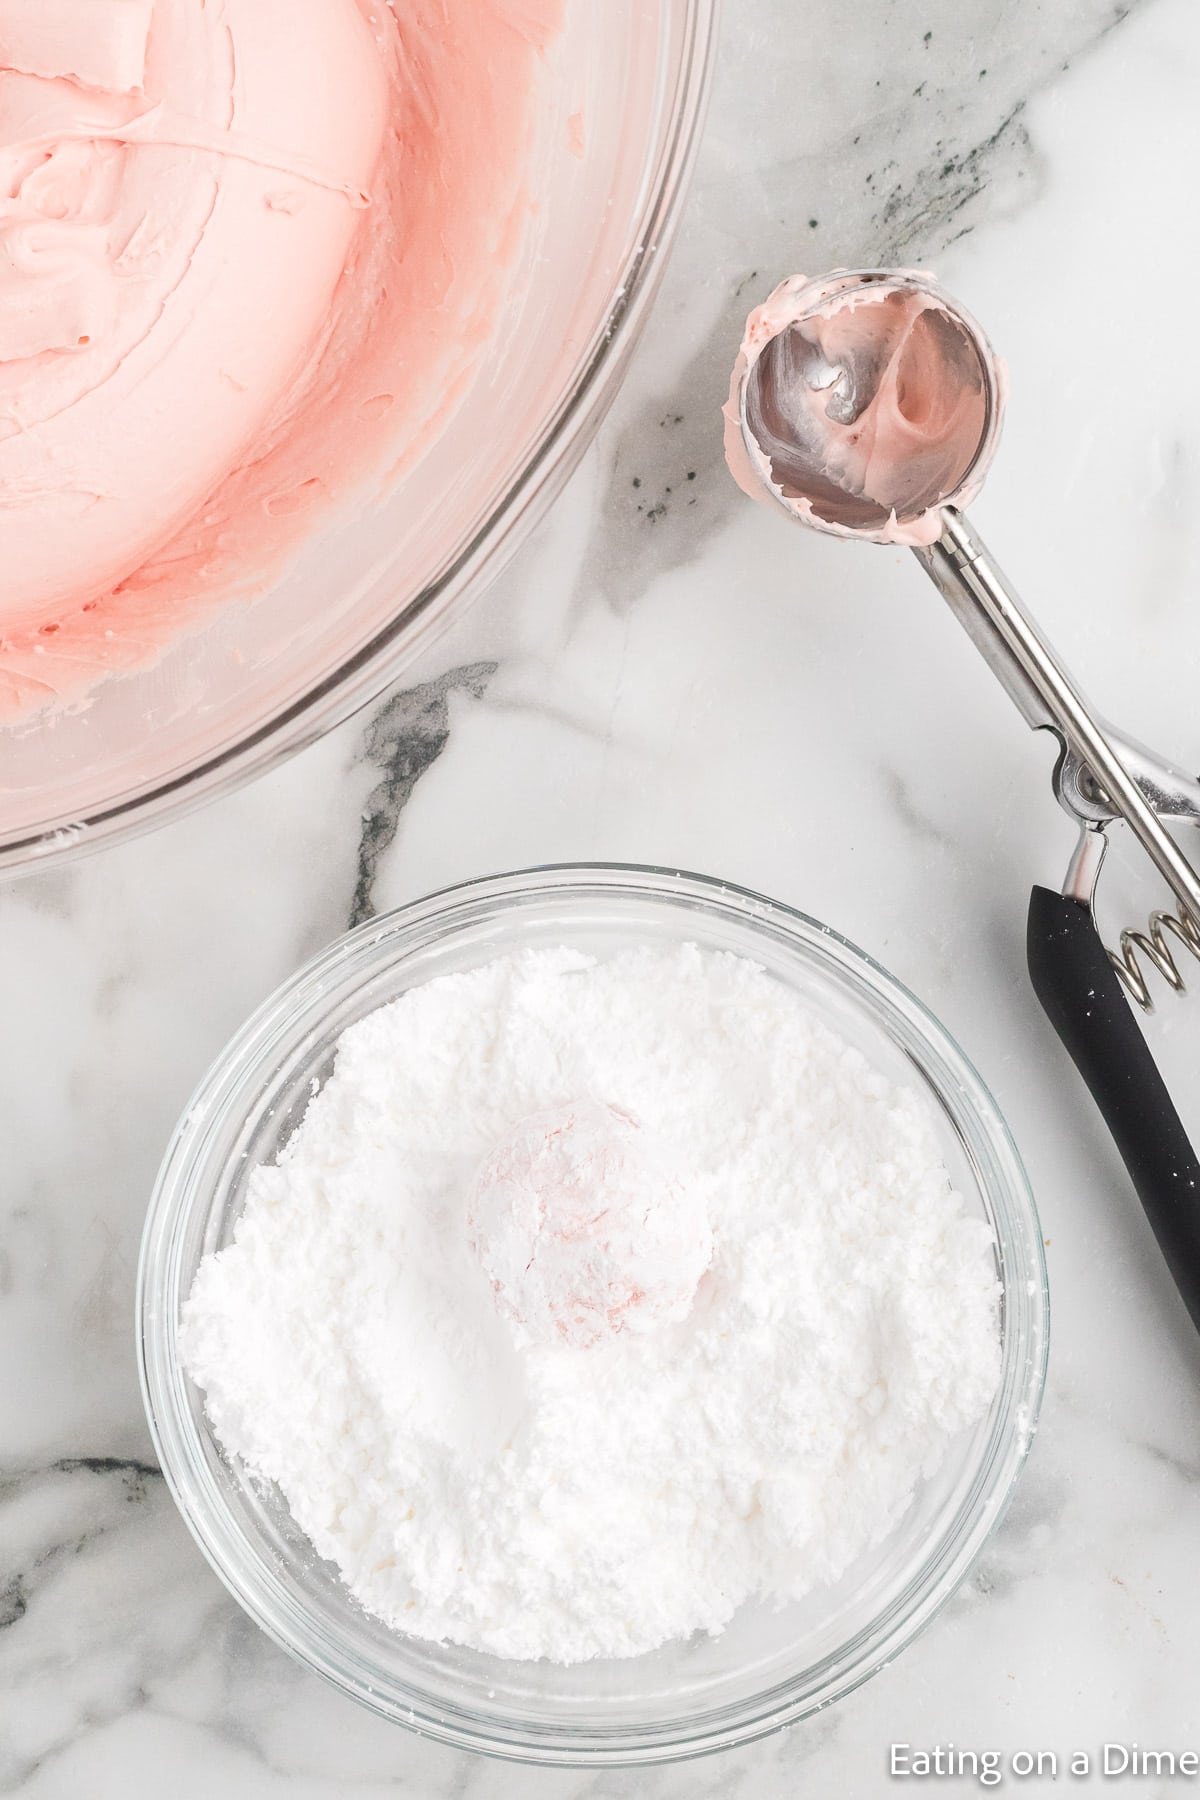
(585,1228)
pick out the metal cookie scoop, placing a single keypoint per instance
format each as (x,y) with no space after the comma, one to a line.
(868,404)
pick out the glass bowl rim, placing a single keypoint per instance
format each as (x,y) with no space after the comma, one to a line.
(552,453)
(964,1097)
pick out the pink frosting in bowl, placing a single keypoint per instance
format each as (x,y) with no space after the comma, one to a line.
(249,255)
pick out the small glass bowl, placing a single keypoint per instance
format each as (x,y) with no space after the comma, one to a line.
(770,1667)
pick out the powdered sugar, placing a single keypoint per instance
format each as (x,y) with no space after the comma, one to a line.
(506,1488)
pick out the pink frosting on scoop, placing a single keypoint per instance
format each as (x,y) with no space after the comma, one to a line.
(246,250)
(925,428)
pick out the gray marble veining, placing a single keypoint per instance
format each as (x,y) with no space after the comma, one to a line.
(403,739)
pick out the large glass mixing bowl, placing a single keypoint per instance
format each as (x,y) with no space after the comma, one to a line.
(370,592)
(770,1666)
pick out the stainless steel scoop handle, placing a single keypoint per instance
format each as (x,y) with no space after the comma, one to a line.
(1102,775)
(787,444)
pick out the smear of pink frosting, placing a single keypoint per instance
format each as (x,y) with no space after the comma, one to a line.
(919,428)
(248,257)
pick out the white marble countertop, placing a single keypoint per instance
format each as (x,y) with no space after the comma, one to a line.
(667,674)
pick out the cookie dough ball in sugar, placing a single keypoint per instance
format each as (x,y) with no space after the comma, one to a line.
(586,1227)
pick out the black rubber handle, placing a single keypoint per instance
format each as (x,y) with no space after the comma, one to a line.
(1085,1002)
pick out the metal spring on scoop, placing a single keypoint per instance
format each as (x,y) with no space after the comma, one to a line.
(1158,952)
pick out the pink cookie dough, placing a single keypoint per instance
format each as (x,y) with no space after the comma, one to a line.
(585,1229)
(919,431)
(249,252)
